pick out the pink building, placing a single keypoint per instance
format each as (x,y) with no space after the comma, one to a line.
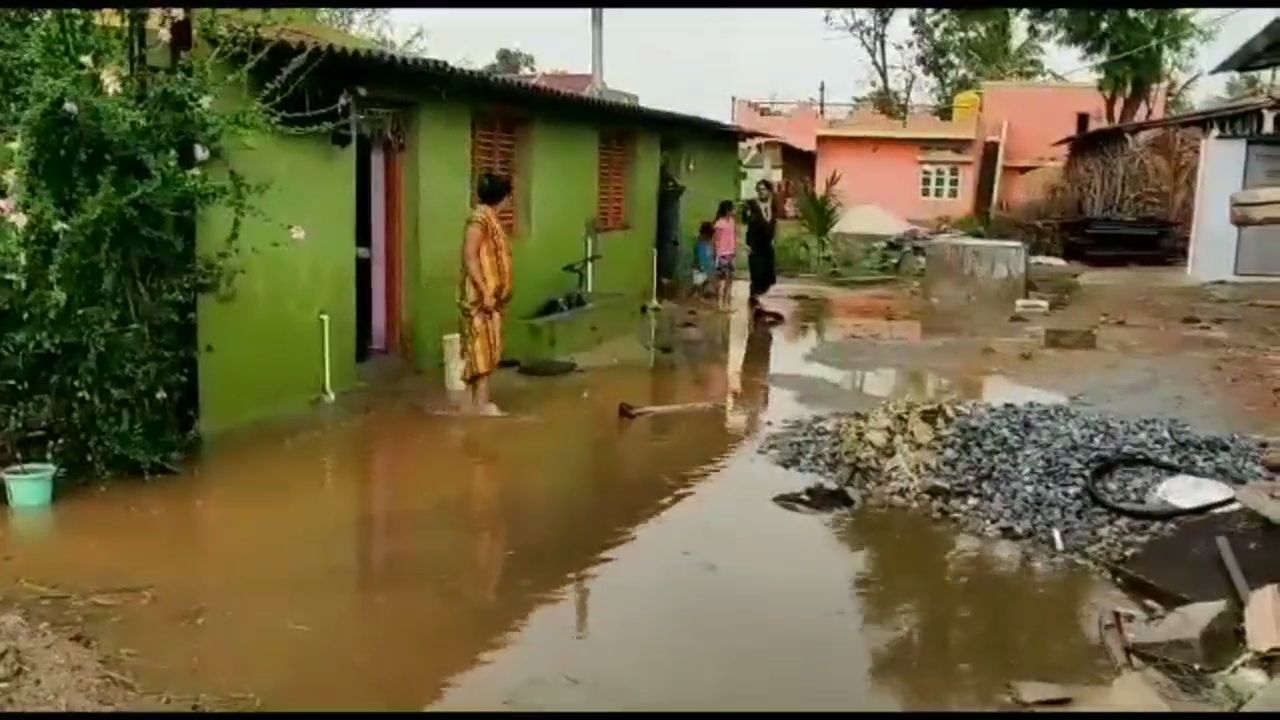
(926,168)
(796,123)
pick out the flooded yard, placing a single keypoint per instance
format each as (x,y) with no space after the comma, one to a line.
(377,556)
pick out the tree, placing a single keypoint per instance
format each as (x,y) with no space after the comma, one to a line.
(510,61)
(1179,99)
(1243,85)
(109,159)
(1134,50)
(892,64)
(957,49)
(375,25)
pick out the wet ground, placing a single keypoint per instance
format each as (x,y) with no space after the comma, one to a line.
(377,556)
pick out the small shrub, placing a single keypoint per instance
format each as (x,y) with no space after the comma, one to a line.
(819,213)
(970,225)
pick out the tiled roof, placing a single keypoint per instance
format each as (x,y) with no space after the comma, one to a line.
(567,82)
(298,39)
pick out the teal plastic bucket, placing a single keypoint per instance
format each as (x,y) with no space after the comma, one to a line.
(29,485)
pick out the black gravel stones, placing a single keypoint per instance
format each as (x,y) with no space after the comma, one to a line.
(1019,471)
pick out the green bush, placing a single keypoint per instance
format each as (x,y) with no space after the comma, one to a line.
(969,225)
(99,274)
(792,253)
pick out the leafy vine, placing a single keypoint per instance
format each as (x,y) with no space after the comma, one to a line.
(115,140)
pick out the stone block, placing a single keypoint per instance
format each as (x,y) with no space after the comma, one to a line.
(1070,339)
(962,271)
(1028,306)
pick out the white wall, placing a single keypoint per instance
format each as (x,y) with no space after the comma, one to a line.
(755,175)
(1212,252)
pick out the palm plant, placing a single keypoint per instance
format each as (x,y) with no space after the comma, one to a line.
(819,214)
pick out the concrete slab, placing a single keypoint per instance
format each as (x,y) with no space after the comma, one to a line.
(1267,699)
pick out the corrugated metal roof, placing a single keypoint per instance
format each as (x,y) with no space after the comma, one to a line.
(1260,52)
(506,85)
(1237,107)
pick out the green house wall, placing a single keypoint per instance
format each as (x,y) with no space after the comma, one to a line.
(260,345)
(260,354)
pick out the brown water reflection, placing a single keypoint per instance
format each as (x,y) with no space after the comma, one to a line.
(379,557)
(965,617)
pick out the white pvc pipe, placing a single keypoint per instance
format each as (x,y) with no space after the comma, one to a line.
(591,265)
(326,389)
(653,298)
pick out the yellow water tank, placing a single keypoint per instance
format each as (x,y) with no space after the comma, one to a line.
(965,105)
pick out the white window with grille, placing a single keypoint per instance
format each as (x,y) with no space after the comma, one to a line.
(940,182)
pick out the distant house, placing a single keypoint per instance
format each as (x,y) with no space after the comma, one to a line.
(794,123)
(787,167)
(993,152)
(1239,150)
(925,168)
(579,83)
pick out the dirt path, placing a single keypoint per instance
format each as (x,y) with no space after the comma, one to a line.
(43,671)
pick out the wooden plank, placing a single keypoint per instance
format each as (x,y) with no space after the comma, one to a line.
(1262,620)
(1262,498)
(1233,569)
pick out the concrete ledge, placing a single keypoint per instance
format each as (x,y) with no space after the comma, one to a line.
(960,271)
(606,315)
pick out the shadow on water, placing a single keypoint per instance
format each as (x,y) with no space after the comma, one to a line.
(383,558)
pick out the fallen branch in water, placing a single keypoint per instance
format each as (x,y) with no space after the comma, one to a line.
(631,412)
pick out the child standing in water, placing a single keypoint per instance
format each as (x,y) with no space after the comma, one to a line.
(726,245)
(704,259)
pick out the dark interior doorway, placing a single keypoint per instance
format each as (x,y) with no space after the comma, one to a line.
(670,190)
(364,248)
(379,242)
(986,180)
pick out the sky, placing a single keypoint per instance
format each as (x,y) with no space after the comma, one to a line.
(696,61)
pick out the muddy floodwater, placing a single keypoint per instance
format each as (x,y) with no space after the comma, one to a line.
(377,556)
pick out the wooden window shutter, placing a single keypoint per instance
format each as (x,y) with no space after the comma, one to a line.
(493,149)
(613,169)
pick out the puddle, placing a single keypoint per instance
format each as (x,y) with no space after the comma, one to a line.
(382,558)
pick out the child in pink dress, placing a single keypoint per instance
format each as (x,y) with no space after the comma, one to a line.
(725,240)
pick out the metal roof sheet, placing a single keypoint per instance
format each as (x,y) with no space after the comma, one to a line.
(1192,118)
(1260,52)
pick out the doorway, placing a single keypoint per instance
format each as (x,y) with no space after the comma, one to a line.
(982,200)
(1258,246)
(378,244)
(670,190)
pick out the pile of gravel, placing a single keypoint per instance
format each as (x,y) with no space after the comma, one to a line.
(1019,471)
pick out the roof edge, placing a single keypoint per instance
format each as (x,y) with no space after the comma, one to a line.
(441,69)
(1191,118)
(1239,61)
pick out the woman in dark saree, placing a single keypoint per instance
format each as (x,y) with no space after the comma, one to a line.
(761,217)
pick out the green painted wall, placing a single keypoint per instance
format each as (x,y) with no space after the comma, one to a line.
(708,168)
(260,346)
(558,156)
(443,196)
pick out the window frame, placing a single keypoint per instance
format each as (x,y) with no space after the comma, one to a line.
(939,181)
(509,131)
(617,146)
